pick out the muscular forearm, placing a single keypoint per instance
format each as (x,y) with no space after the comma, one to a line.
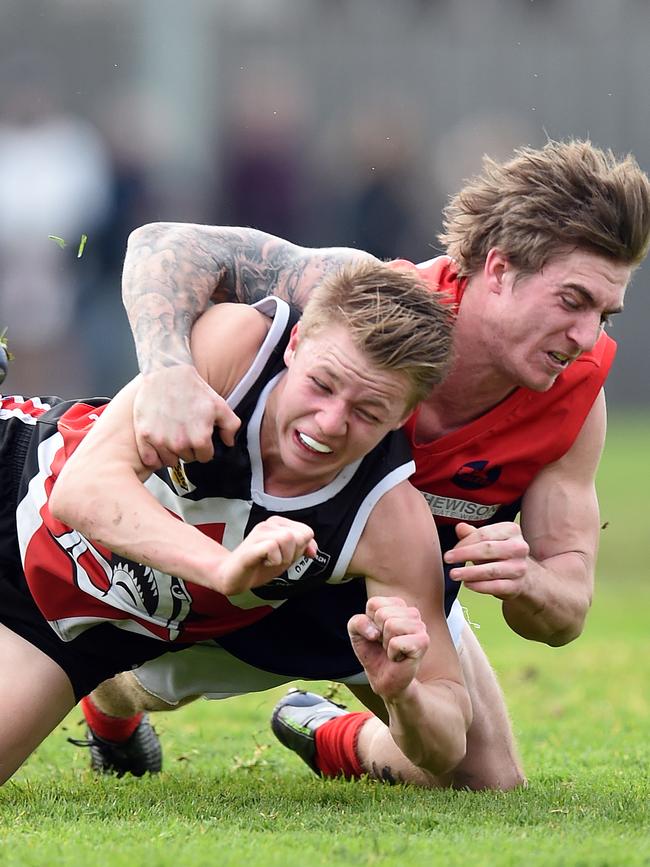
(170,275)
(118,512)
(429,723)
(553,607)
(172,271)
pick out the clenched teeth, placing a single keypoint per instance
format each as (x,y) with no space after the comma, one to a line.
(314,444)
(560,356)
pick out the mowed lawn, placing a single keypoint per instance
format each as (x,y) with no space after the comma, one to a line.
(230,795)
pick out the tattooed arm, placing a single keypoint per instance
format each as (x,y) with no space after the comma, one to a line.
(172,271)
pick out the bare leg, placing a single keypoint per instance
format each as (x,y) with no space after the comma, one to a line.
(491,761)
(35,695)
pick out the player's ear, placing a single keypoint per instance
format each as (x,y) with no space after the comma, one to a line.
(292,345)
(495,268)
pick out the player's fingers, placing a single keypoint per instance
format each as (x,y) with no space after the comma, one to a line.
(301,533)
(463,530)
(500,589)
(287,544)
(396,616)
(272,555)
(361,625)
(400,625)
(187,454)
(202,448)
(164,455)
(228,424)
(265,551)
(148,454)
(281,521)
(490,549)
(170,448)
(503,570)
(468,534)
(377,603)
(412,646)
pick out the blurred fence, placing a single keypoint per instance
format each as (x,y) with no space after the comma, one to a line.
(328,121)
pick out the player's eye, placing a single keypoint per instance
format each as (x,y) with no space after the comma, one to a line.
(320,385)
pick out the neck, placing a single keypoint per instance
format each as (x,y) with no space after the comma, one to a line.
(455,404)
(473,386)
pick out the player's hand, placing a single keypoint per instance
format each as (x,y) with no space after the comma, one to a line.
(268,551)
(174,415)
(389,640)
(497,559)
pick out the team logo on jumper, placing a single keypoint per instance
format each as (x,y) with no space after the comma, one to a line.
(129,586)
(476,474)
(300,575)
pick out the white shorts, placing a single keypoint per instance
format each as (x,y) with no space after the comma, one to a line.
(208,670)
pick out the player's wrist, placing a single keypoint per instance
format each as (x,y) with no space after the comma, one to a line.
(157,362)
(403,700)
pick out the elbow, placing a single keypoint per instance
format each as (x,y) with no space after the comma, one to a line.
(452,742)
(445,759)
(573,629)
(72,505)
(453,757)
(63,504)
(145,234)
(459,727)
(566,635)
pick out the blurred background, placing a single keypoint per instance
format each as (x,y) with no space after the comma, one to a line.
(326,121)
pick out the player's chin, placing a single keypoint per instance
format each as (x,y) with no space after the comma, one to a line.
(539,381)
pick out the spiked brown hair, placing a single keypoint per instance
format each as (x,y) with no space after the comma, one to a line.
(548,201)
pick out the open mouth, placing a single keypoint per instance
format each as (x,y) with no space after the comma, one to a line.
(312,444)
(559,358)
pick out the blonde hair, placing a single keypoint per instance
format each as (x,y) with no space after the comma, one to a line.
(548,201)
(392,318)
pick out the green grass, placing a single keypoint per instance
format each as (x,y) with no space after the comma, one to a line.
(230,795)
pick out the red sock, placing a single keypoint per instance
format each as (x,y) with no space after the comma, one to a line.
(109,728)
(336,746)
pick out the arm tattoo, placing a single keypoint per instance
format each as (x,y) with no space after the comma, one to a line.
(263,265)
(173,271)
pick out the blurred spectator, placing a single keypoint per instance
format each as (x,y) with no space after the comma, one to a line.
(458,152)
(374,195)
(263,172)
(131,134)
(54,180)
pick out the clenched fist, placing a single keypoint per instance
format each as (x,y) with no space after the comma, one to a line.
(389,640)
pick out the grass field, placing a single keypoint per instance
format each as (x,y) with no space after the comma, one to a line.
(230,795)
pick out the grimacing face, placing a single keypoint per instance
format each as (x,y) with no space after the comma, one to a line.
(331,407)
(542,322)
